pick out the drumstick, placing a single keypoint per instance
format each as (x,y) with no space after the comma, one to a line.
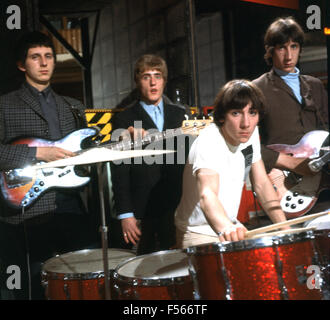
(276,233)
(285,223)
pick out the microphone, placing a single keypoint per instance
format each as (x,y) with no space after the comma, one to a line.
(317,164)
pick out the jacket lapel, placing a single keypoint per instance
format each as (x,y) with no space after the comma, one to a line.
(143,115)
(61,107)
(305,90)
(278,82)
(31,101)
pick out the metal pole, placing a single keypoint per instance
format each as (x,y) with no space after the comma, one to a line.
(104,234)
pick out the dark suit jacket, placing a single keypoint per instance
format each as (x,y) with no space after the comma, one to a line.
(21,116)
(286,120)
(147,190)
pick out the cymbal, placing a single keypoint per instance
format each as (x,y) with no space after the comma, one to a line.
(97,155)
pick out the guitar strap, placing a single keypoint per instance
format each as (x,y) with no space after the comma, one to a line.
(248,156)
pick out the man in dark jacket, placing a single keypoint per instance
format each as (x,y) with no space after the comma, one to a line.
(148,192)
(295,104)
(56,221)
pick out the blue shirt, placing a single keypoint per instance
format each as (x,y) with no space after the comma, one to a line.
(150,109)
(292,80)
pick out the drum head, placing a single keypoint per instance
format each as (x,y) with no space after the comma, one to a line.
(86,261)
(159,265)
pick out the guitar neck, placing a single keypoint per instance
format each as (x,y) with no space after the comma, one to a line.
(149,138)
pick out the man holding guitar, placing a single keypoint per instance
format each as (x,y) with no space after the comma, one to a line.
(149,193)
(296,104)
(57,221)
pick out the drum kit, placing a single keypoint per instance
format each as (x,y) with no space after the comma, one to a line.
(283,265)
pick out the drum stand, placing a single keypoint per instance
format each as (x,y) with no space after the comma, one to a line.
(104,234)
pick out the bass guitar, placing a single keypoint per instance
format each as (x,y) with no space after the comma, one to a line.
(22,186)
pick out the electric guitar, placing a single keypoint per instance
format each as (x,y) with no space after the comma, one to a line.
(298,194)
(21,187)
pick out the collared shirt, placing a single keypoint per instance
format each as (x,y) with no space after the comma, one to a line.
(49,109)
(150,109)
(292,80)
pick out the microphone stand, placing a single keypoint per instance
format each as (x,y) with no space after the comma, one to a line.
(104,234)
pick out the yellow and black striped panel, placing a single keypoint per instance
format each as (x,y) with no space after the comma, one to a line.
(100,118)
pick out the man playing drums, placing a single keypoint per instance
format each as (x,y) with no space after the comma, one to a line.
(220,160)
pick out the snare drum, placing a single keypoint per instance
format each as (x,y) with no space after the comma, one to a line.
(268,268)
(79,275)
(162,275)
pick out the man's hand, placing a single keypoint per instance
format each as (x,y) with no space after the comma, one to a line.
(137,134)
(233,232)
(131,231)
(52,153)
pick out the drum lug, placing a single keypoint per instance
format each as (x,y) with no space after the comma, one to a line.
(279,269)
(228,294)
(131,294)
(44,284)
(67,291)
(193,275)
(100,285)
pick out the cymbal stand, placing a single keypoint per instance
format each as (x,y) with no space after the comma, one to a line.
(104,234)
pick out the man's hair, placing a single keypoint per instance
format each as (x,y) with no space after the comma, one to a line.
(148,62)
(236,94)
(280,32)
(29,40)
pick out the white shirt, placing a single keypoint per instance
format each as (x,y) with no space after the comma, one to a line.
(211,151)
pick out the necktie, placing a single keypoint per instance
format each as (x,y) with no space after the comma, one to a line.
(158,118)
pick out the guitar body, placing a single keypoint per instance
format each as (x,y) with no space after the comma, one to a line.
(298,194)
(21,187)
(298,198)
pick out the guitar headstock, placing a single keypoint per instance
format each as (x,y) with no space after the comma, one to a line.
(193,127)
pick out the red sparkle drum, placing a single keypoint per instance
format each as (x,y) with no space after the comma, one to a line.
(79,275)
(162,275)
(323,243)
(267,268)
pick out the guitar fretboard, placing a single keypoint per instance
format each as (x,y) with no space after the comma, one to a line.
(148,139)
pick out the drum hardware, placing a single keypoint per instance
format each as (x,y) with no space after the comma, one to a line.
(228,288)
(193,276)
(279,268)
(66,291)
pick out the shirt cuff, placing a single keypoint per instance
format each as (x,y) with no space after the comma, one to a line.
(125,215)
